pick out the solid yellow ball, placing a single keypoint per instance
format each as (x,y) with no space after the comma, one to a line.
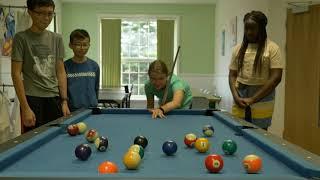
(131,160)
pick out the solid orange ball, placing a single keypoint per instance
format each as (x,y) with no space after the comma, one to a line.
(108,167)
(252,163)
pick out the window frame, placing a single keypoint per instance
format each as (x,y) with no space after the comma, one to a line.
(177,40)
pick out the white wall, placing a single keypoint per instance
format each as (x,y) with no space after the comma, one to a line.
(226,10)
(5,63)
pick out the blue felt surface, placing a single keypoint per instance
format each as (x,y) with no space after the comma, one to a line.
(56,157)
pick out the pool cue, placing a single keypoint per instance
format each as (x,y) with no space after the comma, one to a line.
(169,80)
(247,114)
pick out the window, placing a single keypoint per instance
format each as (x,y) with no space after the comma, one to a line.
(138,49)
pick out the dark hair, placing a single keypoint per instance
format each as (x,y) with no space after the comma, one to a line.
(158,66)
(79,34)
(262,22)
(32,4)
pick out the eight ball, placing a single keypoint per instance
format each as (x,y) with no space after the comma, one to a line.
(142,141)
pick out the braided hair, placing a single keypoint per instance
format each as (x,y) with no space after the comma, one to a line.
(262,21)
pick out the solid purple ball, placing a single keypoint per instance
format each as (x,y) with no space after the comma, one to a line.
(83,152)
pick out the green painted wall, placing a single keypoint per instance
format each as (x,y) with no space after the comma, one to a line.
(196,29)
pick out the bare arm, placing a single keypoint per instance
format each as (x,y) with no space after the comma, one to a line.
(27,114)
(16,69)
(232,84)
(176,101)
(62,82)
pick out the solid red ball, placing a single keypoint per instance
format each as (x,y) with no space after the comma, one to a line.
(214,163)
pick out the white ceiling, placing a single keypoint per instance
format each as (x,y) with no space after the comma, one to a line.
(146,1)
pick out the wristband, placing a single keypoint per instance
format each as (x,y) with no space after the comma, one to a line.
(161,109)
(64,99)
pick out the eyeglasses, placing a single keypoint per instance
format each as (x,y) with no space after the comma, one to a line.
(83,46)
(44,14)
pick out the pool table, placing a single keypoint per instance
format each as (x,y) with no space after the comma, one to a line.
(48,151)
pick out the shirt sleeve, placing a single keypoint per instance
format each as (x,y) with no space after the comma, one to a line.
(17,48)
(275,57)
(234,63)
(178,85)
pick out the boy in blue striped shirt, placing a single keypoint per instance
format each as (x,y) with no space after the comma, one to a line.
(83,73)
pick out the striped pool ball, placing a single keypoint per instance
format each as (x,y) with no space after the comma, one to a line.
(208,130)
(252,163)
(91,135)
(101,143)
(190,139)
(214,163)
(202,145)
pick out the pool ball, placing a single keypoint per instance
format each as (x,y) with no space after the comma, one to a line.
(82,127)
(252,163)
(107,167)
(169,147)
(83,152)
(190,139)
(202,145)
(101,143)
(208,130)
(141,140)
(91,135)
(72,129)
(214,163)
(137,148)
(131,160)
(229,147)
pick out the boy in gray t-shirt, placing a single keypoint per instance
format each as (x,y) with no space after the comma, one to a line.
(38,72)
